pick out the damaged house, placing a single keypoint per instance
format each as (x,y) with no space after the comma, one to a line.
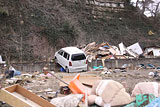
(153,51)
(1,60)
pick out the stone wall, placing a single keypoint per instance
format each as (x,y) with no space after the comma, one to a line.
(104,3)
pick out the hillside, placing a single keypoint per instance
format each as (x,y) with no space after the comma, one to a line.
(34,29)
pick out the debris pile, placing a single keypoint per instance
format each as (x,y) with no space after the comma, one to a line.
(106,51)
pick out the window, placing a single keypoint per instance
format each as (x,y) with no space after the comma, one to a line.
(60,52)
(68,57)
(76,57)
(65,55)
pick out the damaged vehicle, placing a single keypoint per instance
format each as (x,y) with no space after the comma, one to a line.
(71,59)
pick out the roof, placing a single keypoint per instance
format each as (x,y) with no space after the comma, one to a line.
(72,50)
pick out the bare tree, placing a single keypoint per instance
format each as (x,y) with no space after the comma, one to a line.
(156,12)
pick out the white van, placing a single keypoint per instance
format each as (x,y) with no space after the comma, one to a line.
(71,59)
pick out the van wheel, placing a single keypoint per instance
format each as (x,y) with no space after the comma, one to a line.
(67,70)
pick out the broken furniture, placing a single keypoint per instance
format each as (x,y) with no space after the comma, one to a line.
(17,96)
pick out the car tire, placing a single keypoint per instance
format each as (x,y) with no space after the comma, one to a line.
(67,70)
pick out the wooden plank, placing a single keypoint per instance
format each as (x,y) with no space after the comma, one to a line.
(40,101)
(28,101)
(12,99)
(11,88)
(18,96)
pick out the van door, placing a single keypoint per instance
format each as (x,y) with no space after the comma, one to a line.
(66,59)
(60,57)
(78,59)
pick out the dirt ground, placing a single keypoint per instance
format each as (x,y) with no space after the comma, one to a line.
(129,78)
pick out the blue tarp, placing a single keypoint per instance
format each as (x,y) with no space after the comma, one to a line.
(154,103)
(99,67)
(17,73)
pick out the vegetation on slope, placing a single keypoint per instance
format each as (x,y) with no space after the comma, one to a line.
(33,29)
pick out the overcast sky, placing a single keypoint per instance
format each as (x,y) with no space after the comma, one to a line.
(151,6)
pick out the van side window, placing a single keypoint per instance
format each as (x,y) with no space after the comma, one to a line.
(66,55)
(60,52)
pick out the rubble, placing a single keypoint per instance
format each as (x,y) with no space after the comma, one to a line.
(154,103)
(12,72)
(97,68)
(106,51)
(150,66)
(152,52)
(142,100)
(1,60)
(45,86)
(55,86)
(151,74)
(136,48)
(71,100)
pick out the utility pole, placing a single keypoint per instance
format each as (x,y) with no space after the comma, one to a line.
(21,52)
(21,42)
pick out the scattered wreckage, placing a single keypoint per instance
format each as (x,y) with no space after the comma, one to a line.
(106,51)
(42,89)
(104,93)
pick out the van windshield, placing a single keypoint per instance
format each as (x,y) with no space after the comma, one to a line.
(76,57)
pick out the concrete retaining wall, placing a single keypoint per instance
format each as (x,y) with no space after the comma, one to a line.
(30,67)
(110,63)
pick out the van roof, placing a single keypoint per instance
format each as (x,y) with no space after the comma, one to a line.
(72,50)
